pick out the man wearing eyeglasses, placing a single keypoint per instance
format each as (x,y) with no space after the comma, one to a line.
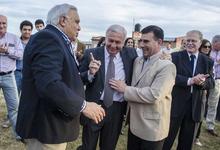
(214,93)
(194,75)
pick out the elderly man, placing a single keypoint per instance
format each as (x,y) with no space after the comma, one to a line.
(10,50)
(52,91)
(214,93)
(116,62)
(149,96)
(194,76)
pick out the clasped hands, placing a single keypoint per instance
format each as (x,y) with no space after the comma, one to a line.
(4,48)
(199,79)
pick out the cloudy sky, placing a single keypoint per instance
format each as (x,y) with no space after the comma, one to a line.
(176,17)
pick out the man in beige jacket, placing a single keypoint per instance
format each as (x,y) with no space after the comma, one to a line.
(149,96)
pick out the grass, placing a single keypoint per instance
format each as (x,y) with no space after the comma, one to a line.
(8,143)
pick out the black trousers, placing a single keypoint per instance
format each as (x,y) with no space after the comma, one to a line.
(107,131)
(136,143)
(187,130)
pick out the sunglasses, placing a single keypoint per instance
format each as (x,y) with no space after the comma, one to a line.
(206,46)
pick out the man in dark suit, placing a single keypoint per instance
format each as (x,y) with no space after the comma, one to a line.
(194,75)
(52,91)
(97,88)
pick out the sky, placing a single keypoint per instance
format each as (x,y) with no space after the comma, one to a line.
(175,17)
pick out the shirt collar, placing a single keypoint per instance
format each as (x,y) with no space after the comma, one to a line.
(196,54)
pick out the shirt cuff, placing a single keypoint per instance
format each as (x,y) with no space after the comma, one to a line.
(189,82)
(83,106)
(90,77)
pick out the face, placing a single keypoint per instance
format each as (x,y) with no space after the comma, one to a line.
(149,44)
(70,24)
(114,42)
(26,32)
(206,48)
(39,27)
(3,25)
(130,43)
(193,42)
(216,45)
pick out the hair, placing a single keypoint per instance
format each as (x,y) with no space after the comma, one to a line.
(26,23)
(197,32)
(204,41)
(101,41)
(215,39)
(58,11)
(118,29)
(39,21)
(157,31)
(126,41)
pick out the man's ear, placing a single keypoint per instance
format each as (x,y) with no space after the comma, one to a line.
(160,41)
(62,21)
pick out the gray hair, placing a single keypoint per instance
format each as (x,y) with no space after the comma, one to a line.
(197,32)
(118,29)
(58,11)
(215,39)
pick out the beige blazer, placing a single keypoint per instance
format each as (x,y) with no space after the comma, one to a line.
(149,97)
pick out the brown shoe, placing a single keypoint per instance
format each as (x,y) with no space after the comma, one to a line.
(212,132)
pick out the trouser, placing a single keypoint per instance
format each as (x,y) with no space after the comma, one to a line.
(212,105)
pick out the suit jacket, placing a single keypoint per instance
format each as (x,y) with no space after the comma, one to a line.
(95,88)
(52,90)
(149,98)
(182,92)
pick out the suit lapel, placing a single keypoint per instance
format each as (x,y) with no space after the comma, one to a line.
(125,62)
(101,57)
(186,62)
(198,64)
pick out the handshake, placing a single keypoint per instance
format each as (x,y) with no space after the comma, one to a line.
(94,111)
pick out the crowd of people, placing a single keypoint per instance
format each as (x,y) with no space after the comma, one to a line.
(51,85)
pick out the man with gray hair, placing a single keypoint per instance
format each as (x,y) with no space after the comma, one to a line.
(194,76)
(214,93)
(116,62)
(52,91)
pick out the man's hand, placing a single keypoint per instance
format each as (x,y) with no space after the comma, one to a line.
(4,48)
(118,85)
(165,55)
(94,65)
(94,111)
(199,79)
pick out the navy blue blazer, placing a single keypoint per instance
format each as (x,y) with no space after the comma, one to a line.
(52,90)
(95,88)
(181,92)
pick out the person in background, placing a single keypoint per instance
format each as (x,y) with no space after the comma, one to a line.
(11,50)
(53,96)
(39,24)
(194,76)
(205,49)
(214,93)
(149,96)
(26,28)
(101,42)
(129,42)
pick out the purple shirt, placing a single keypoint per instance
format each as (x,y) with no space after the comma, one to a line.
(15,52)
(215,56)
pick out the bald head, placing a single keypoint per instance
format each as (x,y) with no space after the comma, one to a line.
(3,25)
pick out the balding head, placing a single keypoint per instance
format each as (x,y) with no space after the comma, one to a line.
(3,25)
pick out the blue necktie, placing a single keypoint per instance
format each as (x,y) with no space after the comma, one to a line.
(192,59)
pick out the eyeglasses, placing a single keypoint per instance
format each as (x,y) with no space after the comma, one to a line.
(206,46)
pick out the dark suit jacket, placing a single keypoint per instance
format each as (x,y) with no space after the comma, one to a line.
(181,92)
(52,90)
(94,89)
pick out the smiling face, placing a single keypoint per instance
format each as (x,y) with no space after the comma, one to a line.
(149,44)
(205,49)
(114,42)
(26,32)
(193,42)
(3,25)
